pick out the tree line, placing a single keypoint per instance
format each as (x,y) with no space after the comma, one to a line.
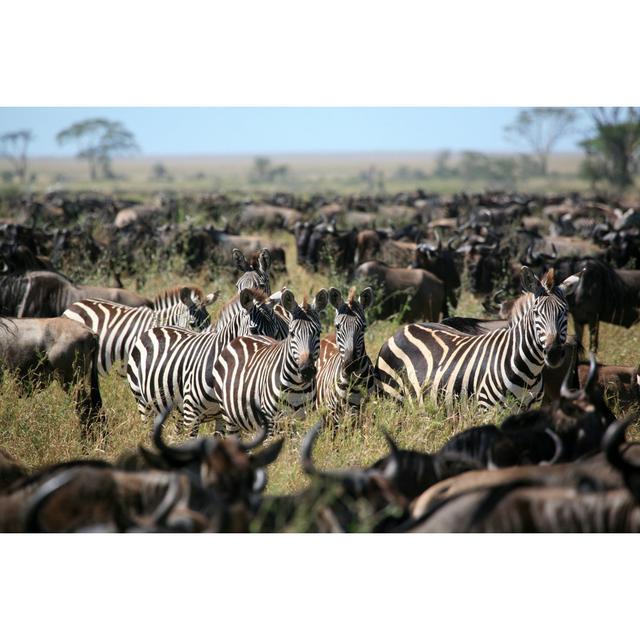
(611,146)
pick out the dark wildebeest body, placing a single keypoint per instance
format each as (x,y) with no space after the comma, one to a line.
(414,293)
(45,294)
(40,350)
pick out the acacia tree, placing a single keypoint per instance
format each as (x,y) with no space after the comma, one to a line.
(13,147)
(613,151)
(98,140)
(541,128)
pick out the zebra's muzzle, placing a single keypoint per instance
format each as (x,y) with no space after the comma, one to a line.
(307,371)
(554,356)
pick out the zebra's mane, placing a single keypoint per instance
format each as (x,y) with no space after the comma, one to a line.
(352,296)
(173,293)
(520,307)
(258,295)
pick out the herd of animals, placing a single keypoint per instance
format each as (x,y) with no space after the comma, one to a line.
(535,261)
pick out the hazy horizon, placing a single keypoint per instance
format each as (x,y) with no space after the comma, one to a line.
(284,131)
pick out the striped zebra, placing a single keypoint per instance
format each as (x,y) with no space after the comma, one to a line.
(252,278)
(442,362)
(255,377)
(170,367)
(118,326)
(345,372)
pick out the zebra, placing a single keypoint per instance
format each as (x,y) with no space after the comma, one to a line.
(118,326)
(345,372)
(171,367)
(252,278)
(256,376)
(440,361)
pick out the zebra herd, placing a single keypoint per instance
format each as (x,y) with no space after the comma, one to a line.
(265,355)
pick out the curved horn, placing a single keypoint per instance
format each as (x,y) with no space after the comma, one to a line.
(591,377)
(555,252)
(565,392)
(393,468)
(174,455)
(559,447)
(40,498)
(260,481)
(168,502)
(262,433)
(307,447)
(439,239)
(614,436)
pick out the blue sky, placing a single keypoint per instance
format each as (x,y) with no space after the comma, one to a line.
(164,131)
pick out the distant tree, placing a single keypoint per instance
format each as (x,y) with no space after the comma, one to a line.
(261,169)
(98,140)
(475,166)
(542,128)
(264,171)
(13,147)
(529,167)
(160,172)
(612,153)
(443,169)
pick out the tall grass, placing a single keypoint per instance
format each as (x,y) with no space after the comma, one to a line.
(43,428)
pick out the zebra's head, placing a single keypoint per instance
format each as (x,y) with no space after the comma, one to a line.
(259,316)
(190,312)
(351,324)
(253,277)
(304,331)
(550,311)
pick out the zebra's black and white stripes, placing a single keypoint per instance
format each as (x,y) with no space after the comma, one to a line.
(170,367)
(255,377)
(345,372)
(118,326)
(436,360)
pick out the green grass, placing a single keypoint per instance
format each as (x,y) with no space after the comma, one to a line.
(43,428)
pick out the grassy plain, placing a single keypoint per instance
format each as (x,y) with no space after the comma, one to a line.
(43,428)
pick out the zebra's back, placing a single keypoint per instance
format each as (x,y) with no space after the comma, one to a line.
(430,359)
(117,326)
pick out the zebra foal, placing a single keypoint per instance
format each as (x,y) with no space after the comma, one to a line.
(437,360)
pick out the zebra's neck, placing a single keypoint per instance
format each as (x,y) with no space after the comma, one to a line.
(523,344)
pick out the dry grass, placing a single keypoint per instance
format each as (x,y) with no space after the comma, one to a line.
(43,428)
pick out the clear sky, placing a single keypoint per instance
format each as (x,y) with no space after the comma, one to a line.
(218,130)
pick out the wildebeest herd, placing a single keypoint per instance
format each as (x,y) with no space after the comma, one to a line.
(534,262)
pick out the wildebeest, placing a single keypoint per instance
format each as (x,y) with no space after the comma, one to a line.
(45,294)
(414,294)
(40,350)
(604,295)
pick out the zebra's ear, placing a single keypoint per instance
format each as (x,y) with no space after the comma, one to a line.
(186,296)
(240,260)
(321,300)
(211,298)
(264,260)
(530,281)
(570,284)
(288,300)
(366,297)
(246,299)
(335,297)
